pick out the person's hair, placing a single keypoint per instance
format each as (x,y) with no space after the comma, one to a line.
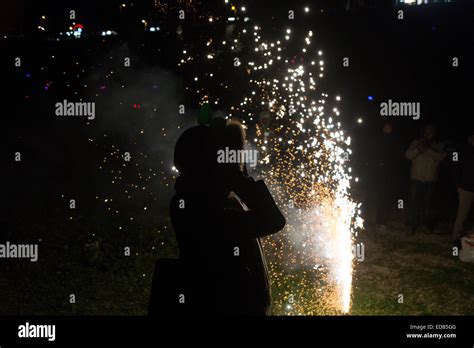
(196,150)
(235,135)
(191,155)
(428,125)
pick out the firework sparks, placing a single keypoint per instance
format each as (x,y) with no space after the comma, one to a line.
(305,152)
(304,155)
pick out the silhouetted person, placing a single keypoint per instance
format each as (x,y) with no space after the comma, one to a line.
(388,155)
(425,155)
(218,214)
(465,187)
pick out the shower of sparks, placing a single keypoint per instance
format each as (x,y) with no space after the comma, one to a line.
(304,158)
(303,154)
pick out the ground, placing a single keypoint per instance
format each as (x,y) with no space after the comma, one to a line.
(420,267)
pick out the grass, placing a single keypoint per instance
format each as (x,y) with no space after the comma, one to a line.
(420,267)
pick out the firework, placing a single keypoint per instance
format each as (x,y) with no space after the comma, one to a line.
(304,154)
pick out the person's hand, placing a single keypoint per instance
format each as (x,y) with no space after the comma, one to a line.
(422,146)
(244,170)
(239,181)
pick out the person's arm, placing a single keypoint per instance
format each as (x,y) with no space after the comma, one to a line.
(413,151)
(457,170)
(435,154)
(263,216)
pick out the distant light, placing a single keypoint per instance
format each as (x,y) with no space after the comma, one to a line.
(338,98)
(124,5)
(108,32)
(231,19)
(360,120)
(370,98)
(43,17)
(306,9)
(243,9)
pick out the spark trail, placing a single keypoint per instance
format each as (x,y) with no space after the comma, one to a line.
(304,159)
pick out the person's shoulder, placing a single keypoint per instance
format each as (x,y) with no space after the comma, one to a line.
(439,145)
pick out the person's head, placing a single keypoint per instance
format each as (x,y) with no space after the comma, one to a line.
(235,138)
(470,140)
(192,156)
(387,127)
(429,132)
(200,152)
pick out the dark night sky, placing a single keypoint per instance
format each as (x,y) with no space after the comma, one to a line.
(407,60)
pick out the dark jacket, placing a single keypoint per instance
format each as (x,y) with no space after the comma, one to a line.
(219,246)
(388,160)
(465,169)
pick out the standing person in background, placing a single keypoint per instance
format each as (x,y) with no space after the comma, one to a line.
(425,155)
(388,155)
(465,188)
